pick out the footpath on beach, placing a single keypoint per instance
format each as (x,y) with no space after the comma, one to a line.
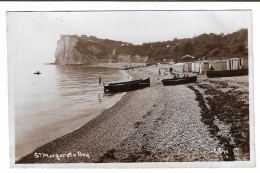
(184,123)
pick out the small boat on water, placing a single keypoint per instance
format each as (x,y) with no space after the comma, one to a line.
(127,86)
(227,73)
(179,81)
(37,73)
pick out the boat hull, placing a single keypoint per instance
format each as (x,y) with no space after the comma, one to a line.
(127,86)
(227,73)
(179,81)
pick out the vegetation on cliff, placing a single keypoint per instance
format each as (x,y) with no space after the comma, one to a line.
(204,46)
(210,46)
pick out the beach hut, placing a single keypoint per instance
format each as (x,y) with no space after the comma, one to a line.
(195,67)
(245,63)
(178,67)
(223,65)
(187,67)
(204,66)
(237,63)
(192,66)
(232,64)
(216,65)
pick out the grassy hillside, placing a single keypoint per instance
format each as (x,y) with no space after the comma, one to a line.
(204,46)
(210,46)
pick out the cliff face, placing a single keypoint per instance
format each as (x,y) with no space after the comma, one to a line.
(90,50)
(65,52)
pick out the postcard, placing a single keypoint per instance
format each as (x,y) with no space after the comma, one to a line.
(109,88)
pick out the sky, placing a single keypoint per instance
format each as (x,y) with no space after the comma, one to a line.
(33,36)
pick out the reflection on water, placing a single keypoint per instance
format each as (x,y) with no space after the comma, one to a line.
(60,100)
(99,98)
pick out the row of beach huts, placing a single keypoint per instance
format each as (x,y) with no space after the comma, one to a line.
(217,65)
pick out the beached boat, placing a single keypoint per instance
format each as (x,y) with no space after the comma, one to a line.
(227,73)
(179,81)
(127,86)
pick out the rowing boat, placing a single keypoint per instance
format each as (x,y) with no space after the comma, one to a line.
(227,73)
(179,81)
(38,73)
(127,86)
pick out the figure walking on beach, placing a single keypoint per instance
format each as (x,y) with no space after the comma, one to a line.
(171,70)
(99,80)
(159,73)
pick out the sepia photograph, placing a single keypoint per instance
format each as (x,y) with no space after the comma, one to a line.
(130,87)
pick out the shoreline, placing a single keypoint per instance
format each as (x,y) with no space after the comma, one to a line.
(93,120)
(88,125)
(153,124)
(89,115)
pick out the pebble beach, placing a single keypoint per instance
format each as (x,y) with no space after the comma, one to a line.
(183,123)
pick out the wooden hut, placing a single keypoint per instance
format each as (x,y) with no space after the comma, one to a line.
(245,63)
(223,65)
(237,63)
(187,67)
(195,67)
(233,64)
(178,67)
(204,66)
(216,65)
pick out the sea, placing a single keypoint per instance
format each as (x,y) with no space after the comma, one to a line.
(58,101)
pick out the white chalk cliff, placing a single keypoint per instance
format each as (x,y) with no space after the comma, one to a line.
(72,49)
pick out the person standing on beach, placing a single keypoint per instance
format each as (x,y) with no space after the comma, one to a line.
(159,73)
(211,68)
(171,70)
(99,80)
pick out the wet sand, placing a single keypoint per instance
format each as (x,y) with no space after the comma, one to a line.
(168,124)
